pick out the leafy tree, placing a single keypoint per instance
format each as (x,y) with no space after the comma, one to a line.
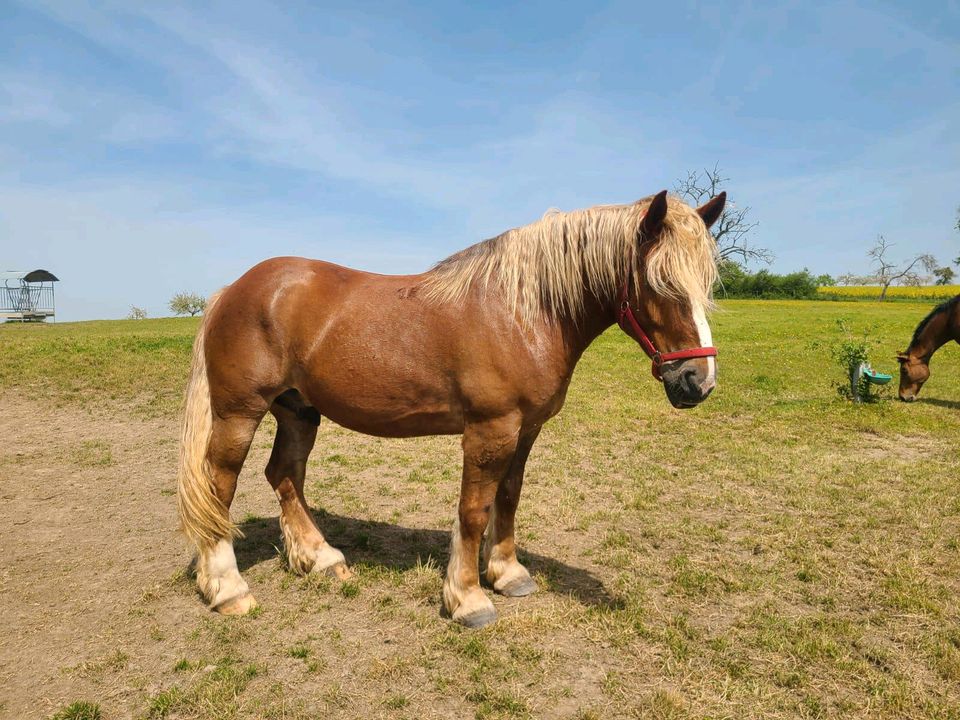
(944,275)
(733,226)
(731,275)
(187,304)
(137,313)
(736,282)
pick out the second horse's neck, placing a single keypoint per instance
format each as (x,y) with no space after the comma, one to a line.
(937,332)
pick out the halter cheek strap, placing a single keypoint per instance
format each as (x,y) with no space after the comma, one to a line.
(629,324)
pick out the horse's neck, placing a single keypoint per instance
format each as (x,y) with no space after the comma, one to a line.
(938,332)
(595,317)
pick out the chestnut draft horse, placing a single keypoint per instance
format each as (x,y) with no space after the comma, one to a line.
(483,345)
(938,328)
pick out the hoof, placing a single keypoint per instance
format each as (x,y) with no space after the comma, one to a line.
(518,587)
(240,605)
(477,618)
(339,571)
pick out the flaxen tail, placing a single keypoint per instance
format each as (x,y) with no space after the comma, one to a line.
(203,517)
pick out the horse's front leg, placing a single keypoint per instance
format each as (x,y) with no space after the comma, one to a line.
(503,570)
(488,449)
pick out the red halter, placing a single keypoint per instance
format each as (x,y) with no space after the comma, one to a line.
(628,322)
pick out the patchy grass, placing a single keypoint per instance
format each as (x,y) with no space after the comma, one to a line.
(299,651)
(214,691)
(775,553)
(93,453)
(114,662)
(78,711)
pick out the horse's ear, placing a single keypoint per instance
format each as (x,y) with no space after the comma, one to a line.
(711,210)
(656,212)
(902,357)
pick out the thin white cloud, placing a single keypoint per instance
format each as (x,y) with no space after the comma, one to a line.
(31,102)
(26,99)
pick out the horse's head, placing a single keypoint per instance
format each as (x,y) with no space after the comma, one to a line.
(914,372)
(664,308)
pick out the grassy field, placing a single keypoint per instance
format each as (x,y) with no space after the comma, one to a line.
(775,553)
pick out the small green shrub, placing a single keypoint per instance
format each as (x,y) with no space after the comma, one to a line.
(849,353)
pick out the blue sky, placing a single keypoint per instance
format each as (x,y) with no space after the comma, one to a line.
(150,149)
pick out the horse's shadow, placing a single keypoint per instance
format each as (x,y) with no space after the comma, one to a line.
(952,404)
(399,548)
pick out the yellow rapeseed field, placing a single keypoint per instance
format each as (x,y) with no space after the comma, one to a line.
(872,292)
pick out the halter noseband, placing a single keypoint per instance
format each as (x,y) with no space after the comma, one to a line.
(628,322)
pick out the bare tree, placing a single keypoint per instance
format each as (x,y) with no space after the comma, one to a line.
(733,226)
(886,272)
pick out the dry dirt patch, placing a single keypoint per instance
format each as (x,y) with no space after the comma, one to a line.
(99,604)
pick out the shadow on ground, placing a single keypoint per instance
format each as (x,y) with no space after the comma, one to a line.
(952,404)
(398,548)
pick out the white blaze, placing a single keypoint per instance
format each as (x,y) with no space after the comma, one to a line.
(706,340)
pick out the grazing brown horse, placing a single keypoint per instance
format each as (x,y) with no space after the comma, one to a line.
(483,345)
(938,328)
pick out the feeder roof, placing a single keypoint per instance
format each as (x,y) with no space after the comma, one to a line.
(31,276)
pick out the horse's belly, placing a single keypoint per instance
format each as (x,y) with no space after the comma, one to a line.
(375,407)
(396,425)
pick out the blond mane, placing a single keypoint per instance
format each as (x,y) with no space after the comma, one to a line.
(550,267)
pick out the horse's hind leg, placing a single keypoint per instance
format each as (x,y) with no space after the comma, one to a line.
(503,570)
(307,549)
(217,574)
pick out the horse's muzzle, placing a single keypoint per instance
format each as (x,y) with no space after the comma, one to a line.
(688,383)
